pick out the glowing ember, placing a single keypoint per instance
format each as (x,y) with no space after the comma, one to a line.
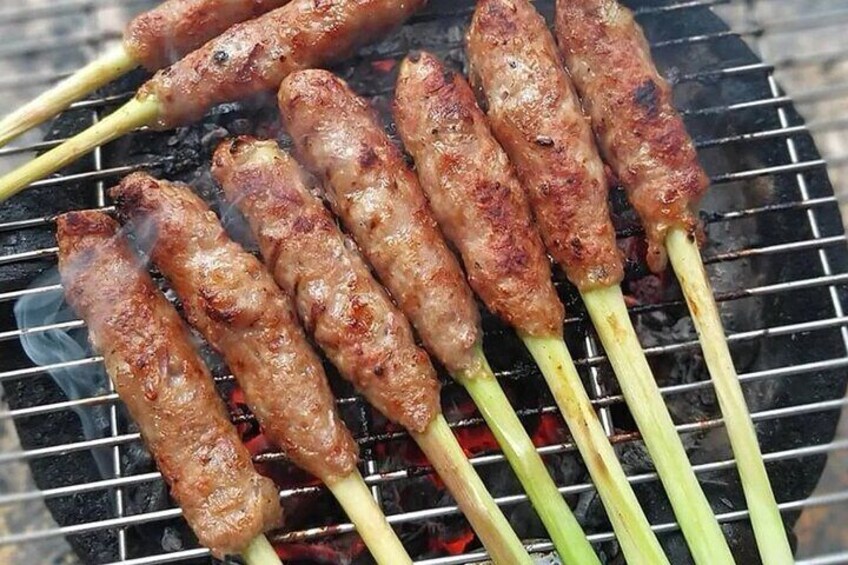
(384,65)
(453,545)
(550,430)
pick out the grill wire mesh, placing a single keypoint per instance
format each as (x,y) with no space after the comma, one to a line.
(802,51)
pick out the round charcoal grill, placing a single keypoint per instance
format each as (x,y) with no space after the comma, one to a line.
(776,256)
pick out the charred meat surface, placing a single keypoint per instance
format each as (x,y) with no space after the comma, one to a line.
(255,56)
(165,385)
(370,187)
(475,195)
(534,112)
(229,296)
(162,35)
(641,134)
(347,312)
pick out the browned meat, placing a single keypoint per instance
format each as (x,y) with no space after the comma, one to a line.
(167,389)
(255,56)
(640,133)
(229,296)
(347,312)
(475,195)
(536,115)
(160,36)
(382,205)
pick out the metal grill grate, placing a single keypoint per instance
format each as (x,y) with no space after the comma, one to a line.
(801,49)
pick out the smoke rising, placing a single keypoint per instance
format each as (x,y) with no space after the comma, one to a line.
(55,346)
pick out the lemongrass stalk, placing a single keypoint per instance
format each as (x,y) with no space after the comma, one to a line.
(566,534)
(765,516)
(135,113)
(362,509)
(260,552)
(99,72)
(638,541)
(444,453)
(691,507)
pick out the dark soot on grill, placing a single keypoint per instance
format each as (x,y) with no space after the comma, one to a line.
(184,155)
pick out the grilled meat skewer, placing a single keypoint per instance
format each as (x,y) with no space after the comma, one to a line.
(482,210)
(166,387)
(249,58)
(352,318)
(235,304)
(174,28)
(229,296)
(255,56)
(474,195)
(631,110)
(381,204)
(644,140)
(535,113)
(348,313)
(153,39)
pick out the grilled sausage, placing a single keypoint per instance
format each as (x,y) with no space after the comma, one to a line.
(347,312)
(379,200)
(229,296)
(254,56)
(536,115)
(160,36)
(475,195)
(167,389)
(641,135)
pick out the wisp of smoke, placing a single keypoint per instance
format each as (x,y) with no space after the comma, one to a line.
(56,346)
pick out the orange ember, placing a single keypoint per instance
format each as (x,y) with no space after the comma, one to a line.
(384,65)
(550,431)
(454,545)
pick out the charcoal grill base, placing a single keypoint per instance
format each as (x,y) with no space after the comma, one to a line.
(184,155)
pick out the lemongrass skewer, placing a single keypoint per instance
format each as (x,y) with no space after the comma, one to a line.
(445,454)
(260,552)
(566,534)
(765,515)
(703,534)
(111,65)
(135,113)
(628,520)
(359,505)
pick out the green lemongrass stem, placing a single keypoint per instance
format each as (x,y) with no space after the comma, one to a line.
(765,516)
(566,534)
(700,528)
(260,552)
(638,541)
(135,113)
(360,506)
(444,453)
(105,69)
